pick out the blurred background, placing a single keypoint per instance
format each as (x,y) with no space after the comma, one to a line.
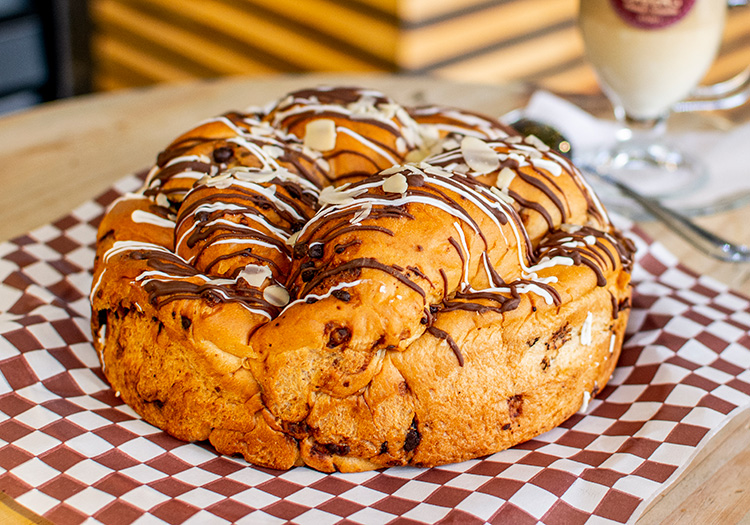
(53,49)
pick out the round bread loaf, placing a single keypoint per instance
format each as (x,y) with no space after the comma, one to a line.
(342,282)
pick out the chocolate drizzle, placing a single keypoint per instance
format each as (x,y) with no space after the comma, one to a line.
(445,336)
(470,302)
(578,247)
(550,189)
(358,264)
(250,189)
(182,285)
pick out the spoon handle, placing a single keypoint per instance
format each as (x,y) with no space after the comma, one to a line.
(706,241)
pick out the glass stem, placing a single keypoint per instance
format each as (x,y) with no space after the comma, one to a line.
(633,128)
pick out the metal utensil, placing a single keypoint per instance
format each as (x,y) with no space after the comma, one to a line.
(704,240)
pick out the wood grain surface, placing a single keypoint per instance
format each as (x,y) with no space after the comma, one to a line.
(141,42)
(59,155)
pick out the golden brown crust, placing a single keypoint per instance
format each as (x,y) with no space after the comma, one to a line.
(364,131)
(420,314)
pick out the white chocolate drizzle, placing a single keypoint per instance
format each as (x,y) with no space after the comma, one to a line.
(586,329)
(585,402)
(144,217)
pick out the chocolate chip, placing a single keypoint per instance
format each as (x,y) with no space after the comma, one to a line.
(341,295)
(319,452)
(515,405)
(223,154)
(298,429)
(559,338)
(311,300)
(186,322)
(384,447)
(307,274)
(121,311)
(339,336)
(315,251)
(403,388)
(212,297)
(506,426)
(101,317)
(300,250)
(413,437)
(336,449)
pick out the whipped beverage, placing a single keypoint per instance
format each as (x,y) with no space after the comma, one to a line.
(650,54)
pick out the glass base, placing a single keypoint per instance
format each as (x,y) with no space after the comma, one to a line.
(654,169)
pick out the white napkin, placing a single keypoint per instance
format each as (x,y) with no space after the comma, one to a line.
(725,153)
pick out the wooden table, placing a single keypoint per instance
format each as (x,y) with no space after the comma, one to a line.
(59,155)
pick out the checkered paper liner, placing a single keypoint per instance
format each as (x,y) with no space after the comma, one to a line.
(71,451)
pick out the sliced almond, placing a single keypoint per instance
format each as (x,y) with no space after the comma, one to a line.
(393,169)
(570,228)
(362,214)
(320,134)
(273,151)
(479,155)
(502,195)
(553,167)
(276,295)
(162,200)
(416,155)
(292,240)
(536,142)
(255,275)
(339,195)
(395,184)
(504,178)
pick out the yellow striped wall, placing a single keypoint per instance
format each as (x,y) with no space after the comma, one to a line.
(141,42)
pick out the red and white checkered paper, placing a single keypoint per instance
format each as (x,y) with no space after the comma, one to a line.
(71,451)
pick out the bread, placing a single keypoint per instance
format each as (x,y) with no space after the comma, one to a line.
(342,282)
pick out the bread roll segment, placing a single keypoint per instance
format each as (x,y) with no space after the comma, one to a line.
(455,297)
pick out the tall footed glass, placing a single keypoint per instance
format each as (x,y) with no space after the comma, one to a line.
(649,55)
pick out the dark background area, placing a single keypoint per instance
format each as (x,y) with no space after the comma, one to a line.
(44,51)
